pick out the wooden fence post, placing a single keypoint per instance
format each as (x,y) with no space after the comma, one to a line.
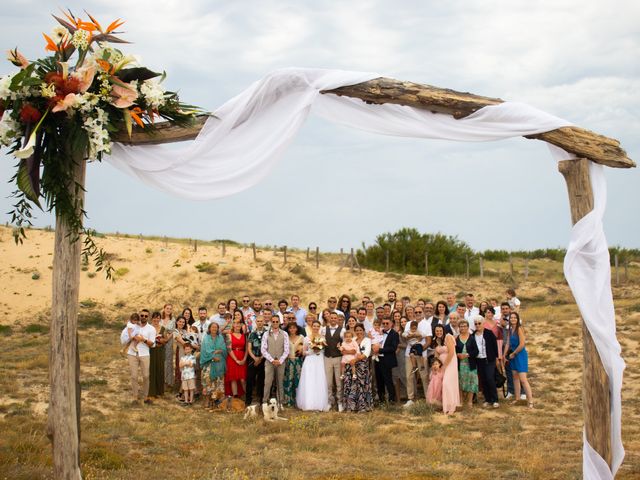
(466,259)
(195,245)
(526,268)
(511,266)
(224,249)
(307,254)
(317,257)
(626,270)
(615,261)
(285,254)
(253,247)
(63,426)
(596,400)
(353,260)
(386,255)
(481,260)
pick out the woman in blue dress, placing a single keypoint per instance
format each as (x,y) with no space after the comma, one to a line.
(516,355)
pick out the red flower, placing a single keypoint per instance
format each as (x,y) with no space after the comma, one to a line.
(29,114)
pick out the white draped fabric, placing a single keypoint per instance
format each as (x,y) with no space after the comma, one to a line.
(240,147)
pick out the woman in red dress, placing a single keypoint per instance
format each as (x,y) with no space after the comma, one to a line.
(234,381)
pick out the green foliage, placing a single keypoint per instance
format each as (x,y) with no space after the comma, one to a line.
(35,276)
(36,328)
(206,267)
(5,329)
(407,248)
(91,319)
(121,272)
(88,303)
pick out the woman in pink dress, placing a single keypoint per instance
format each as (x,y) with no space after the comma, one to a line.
(450,387)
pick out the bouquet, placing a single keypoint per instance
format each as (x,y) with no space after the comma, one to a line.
(318,343)
(66,107)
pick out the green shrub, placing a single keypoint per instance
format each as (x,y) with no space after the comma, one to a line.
(5,329)
(91,319)
(88,303)
(35,275)
(91,274)
(121,272)
(206,267)
(36,328)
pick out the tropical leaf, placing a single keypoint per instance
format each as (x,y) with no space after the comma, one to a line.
(105,37)
(23,180)
(137,73)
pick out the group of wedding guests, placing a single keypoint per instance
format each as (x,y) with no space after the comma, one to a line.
(344,356)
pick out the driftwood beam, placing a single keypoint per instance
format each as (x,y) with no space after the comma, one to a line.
(583,143)
(596,400)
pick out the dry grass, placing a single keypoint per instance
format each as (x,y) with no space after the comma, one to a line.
(120,441)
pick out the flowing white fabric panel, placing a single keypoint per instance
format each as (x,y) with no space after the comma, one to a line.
(236,150)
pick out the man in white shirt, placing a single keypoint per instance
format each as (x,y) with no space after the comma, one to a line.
(362,318)
(424,333)
(391,299)
(470,310)
(219,317)
(201,323)
(139,360)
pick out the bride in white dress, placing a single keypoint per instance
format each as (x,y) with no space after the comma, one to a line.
(312,389)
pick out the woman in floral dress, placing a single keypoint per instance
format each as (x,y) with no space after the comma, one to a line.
(293,365)
(467,373)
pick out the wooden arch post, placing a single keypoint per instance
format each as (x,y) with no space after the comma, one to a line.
(64,358)
(596,398)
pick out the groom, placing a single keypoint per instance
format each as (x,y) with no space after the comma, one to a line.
(332,358)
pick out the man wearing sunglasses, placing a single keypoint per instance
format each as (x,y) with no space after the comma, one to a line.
(139,360)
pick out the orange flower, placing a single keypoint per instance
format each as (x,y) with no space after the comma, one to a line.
(51,45)
(135,114)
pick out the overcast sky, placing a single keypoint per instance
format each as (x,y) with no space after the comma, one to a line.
(337,187)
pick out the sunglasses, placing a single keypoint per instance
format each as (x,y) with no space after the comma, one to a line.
(312,308)
(268,303)
(245,301)
(144,316)
(477,323)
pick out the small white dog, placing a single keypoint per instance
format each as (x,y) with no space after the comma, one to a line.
(251,411)
(270,411)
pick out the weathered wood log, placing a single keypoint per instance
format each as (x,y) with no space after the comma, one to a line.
(583,143)
(64,361)
(596,400)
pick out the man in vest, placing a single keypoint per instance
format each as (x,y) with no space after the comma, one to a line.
(275,350)
(332,358)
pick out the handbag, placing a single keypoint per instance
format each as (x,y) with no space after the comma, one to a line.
(500,379)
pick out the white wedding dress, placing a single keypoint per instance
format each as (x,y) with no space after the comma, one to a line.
(312,391)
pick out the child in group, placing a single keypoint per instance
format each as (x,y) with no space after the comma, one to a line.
(415,345)
(192,336)
(376,336)
(129,332)
(187,367)
(348,343)
(434,390)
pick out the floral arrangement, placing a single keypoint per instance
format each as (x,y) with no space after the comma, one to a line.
(67,106)
(318,343)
